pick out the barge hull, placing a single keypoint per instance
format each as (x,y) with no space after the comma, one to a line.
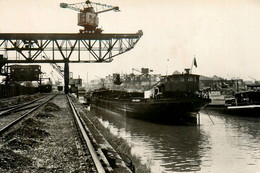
(245,110)
(169,112)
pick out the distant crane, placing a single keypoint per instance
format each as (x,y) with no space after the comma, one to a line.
(88,14)
(55,67)
(57,80)
(256,82)
(144,71)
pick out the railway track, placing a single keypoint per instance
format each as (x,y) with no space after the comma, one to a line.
(91,154)
(105,158)
(100,162)
(20,107)
(15,117)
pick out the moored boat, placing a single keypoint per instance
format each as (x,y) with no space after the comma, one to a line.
(246,103)
(176,99)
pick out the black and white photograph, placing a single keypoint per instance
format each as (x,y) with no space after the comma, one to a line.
(119,86)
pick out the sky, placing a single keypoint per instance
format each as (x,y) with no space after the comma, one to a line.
(223,35)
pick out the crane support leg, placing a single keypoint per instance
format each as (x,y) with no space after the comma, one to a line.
(66,76)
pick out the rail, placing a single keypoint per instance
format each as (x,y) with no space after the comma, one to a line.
(20,107)
(101,168)
(8,126)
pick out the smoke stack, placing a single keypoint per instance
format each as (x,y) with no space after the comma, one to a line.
(187,70)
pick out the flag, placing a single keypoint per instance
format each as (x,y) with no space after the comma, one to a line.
(195,62)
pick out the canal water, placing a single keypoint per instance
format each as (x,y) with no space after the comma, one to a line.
(221,144)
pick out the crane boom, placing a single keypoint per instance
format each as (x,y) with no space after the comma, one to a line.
(55,67)
(133,69)
(74,7)
(98,7)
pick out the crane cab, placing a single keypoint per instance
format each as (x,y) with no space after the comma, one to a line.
(88,19)
(88,15)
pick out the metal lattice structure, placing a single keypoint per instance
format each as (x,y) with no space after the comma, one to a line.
(64,48)
(100,47)
(98,7)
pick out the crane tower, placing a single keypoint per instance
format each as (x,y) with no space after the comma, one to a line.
(88,14)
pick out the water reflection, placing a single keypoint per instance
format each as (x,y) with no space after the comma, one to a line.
(164,148)
(243,133)
(235,143)
(231,144)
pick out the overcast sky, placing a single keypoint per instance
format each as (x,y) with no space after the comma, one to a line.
(224,35)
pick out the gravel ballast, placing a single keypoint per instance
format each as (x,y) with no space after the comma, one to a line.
(47,141)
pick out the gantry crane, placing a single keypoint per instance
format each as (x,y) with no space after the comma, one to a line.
(88,14)
(88,46)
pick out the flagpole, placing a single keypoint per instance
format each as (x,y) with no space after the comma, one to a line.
(192,65)
(167,67)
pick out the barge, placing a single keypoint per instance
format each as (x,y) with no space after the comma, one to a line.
(246,103)
(175,99)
